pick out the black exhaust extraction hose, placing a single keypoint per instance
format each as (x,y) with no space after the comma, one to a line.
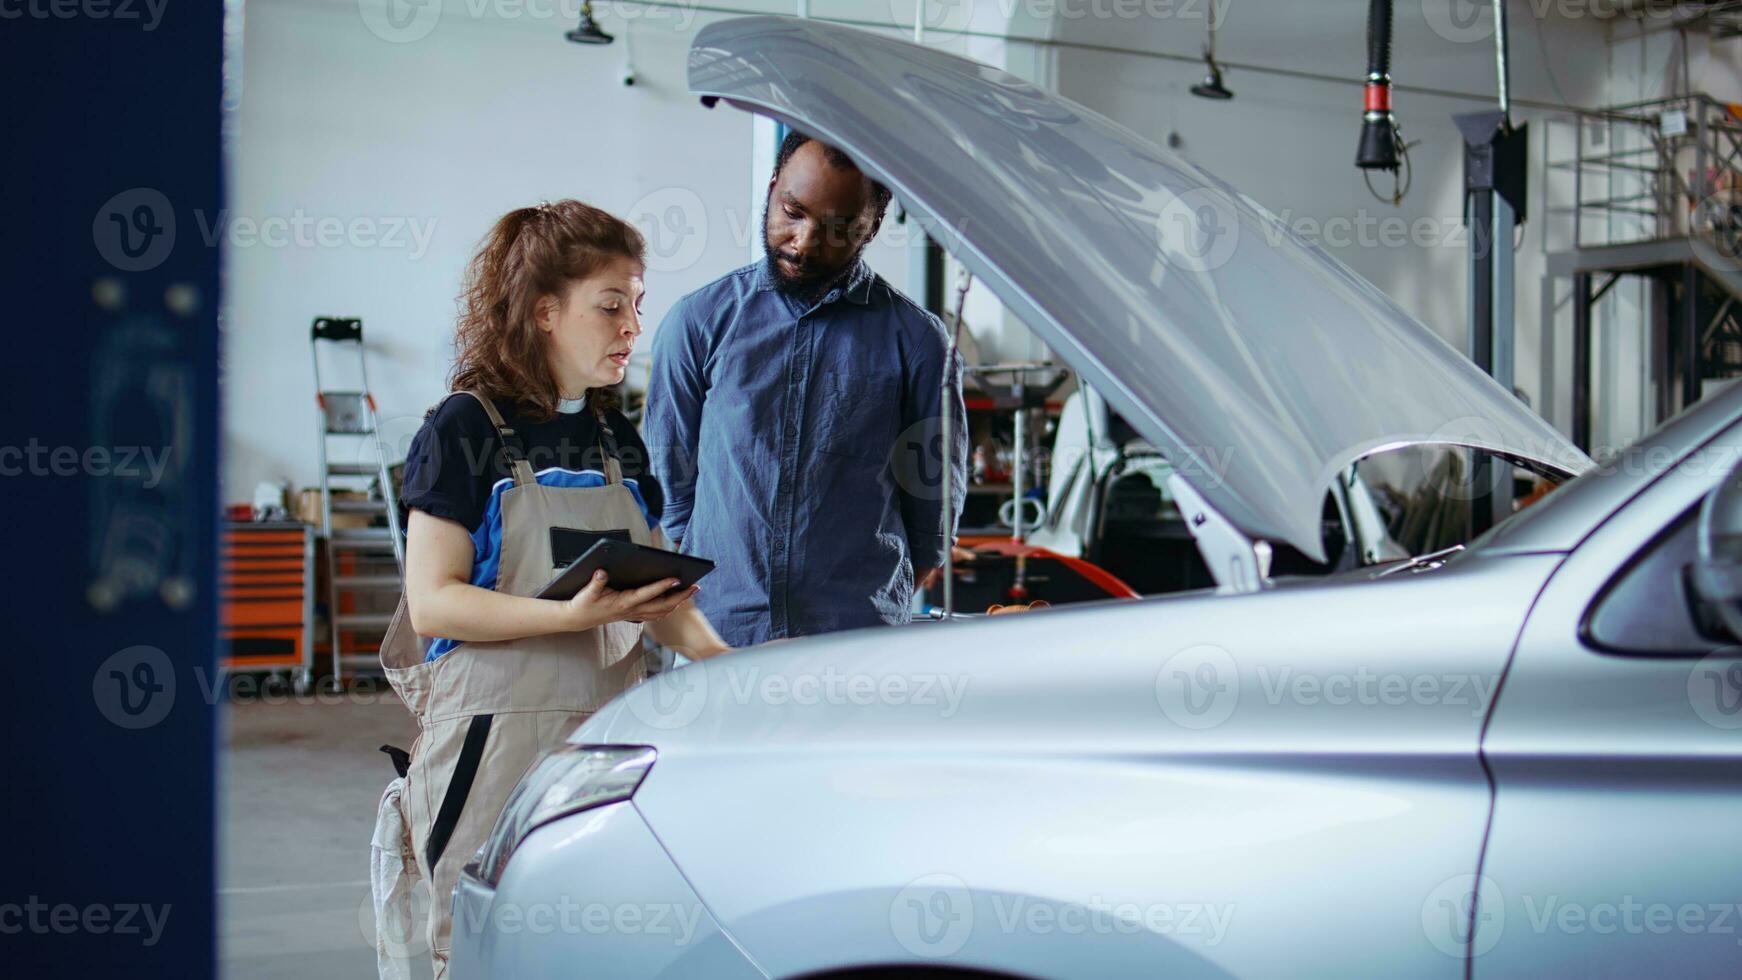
(1379,39)
(1378,149)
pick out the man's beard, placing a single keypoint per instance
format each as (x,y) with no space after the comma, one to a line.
(811,282)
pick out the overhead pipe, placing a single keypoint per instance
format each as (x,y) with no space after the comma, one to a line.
(1378,147)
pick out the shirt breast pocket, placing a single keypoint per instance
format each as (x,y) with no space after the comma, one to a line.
(859,414)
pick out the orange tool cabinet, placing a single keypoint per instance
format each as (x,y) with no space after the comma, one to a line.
(266,618)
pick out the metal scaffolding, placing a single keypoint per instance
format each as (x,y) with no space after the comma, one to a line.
(1656,192)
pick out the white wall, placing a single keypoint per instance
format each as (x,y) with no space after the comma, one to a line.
(450,119)
(445,132)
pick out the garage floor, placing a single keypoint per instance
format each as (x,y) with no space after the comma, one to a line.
(300,781)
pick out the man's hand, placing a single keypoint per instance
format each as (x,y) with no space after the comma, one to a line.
(925,578)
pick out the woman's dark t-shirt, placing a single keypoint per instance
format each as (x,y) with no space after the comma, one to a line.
(455,470)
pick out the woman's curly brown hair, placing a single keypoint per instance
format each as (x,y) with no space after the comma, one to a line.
(530,253)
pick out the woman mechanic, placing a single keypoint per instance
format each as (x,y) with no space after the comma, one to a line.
(511,477)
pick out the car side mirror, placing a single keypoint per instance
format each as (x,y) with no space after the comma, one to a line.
(1705,592)
(1714,579)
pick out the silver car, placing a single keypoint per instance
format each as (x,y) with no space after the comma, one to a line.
(1521,759)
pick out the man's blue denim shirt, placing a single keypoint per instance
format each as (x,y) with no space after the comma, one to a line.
(800,449)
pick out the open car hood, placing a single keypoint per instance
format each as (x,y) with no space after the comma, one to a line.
(1257,363)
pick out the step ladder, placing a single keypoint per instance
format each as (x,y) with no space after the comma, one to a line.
(365,565)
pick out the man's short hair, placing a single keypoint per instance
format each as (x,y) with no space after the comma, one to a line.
(794,139)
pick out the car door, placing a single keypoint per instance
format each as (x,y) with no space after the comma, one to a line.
(1616,750)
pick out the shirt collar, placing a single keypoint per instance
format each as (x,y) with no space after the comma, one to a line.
(854,287)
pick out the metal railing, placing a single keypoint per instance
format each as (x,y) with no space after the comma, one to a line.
(1651,171)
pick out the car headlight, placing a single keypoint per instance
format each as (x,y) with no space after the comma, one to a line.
(564,781)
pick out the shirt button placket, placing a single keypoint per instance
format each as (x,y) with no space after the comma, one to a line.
(783,494)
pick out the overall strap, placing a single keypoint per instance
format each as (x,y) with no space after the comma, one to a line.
(512,452)
(608,450)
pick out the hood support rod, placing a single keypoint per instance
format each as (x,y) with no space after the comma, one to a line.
(963,281)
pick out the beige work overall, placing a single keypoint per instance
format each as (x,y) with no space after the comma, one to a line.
(493,707)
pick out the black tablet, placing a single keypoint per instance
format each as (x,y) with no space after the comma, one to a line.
(629,565)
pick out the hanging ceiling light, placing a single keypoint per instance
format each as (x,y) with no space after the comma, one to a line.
(1211,87)
(589,32)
